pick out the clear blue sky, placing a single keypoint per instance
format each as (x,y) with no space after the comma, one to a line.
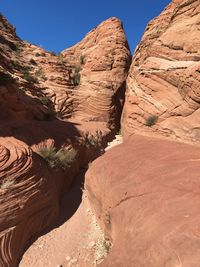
(58,24)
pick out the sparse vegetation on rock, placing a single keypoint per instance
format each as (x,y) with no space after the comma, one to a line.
(94,140)
(28,77)
(40,74)
(82,60)
(76,76)
(45,100)
(151,120)
(62,158)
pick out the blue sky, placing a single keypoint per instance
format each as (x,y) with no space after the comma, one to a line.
(58,24)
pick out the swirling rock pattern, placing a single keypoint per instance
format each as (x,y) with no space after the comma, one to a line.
(28,198)
(85,83)
(104,57)
(147,201)
(101,61)
(164,77)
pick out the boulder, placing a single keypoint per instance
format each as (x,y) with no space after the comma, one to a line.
(145,194)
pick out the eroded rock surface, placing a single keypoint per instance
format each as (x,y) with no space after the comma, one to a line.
(147,202)
(73,99)
(164,77)
(28,196)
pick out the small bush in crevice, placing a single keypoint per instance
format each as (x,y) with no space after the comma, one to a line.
(94,140)
(40,74)
(45,100)
(76,76)
(82,60)
(151,120)
(28,77)
(62,158)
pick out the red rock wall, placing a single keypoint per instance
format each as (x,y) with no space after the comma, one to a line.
(29,203)
(164,78)
(145,194)
(107,59)
(39,105)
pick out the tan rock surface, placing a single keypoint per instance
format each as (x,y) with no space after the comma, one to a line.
(147,202)
(164,77)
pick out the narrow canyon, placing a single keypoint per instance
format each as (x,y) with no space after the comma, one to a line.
(99,149)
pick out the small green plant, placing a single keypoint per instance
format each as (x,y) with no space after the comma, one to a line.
(29,78)
(5,184)
(45,100)
(94,140)
(37,54)
(151,120)
(61,158)
(40,74)
(76,76)
(76,79)
(82,60)
(107,246)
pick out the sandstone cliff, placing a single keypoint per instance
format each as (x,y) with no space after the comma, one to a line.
(146,198)
(164,77)
(71,100)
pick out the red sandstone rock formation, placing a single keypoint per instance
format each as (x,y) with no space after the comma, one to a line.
(28,196)
(105,58)
(86,82)
(147,201)
(164,77)
(47,98)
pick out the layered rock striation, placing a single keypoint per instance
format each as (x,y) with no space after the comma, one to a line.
(164,77)
(68,101)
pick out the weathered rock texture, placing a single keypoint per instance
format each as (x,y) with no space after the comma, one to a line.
(105,58)
(28,196)
(86,82)
(44,99)
(147,201)
(164,78)
(83,83)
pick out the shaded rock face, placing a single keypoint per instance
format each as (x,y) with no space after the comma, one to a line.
(104,58)
(52,99)
(28,197)
(147,201)
(84,83)
(164,78)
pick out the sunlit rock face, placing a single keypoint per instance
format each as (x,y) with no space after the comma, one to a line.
(104,58)
(67,100)
(147,201)
(164,78)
